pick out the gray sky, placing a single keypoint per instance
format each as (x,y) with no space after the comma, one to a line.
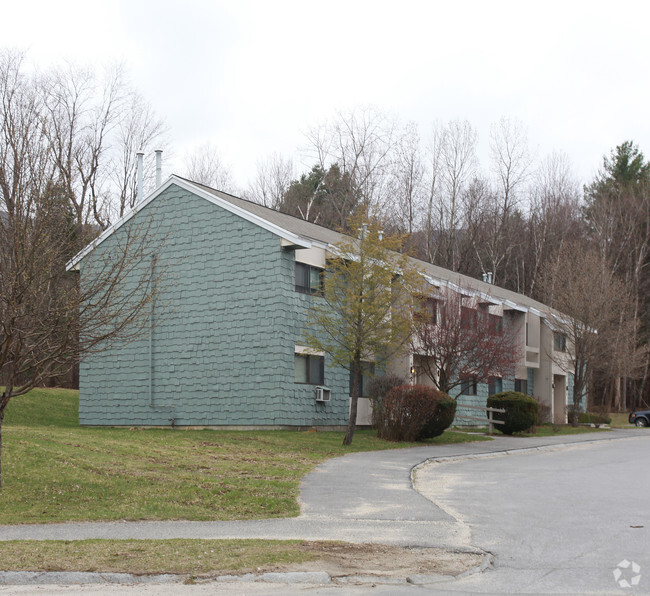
(251,77)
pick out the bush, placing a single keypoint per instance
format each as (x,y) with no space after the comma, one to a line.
(414,413)
(378,388)
(594,418)
(442,418)
(520,411)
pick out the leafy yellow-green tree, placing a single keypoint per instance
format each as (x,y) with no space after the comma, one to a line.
(365,309)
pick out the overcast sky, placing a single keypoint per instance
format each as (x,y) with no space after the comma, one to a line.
(251,77)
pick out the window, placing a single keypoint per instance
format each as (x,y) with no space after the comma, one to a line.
(309,279)
(559,342)
(468,386)
(309,369)
(521,385)
(495,385)
(468,318)
(496,325)
(427,310)
(367,372)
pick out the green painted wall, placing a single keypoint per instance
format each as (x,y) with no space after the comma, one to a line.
(225,327)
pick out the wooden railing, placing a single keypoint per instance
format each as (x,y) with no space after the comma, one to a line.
(489,420)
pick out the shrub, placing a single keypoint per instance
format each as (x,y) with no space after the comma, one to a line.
(378,388)
(442,418)
(520,411)
(594,418)
(414,413)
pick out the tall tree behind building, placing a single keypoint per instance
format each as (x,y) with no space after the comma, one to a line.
(618,215)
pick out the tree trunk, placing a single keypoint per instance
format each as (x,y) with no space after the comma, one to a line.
(2,415)
(354,400)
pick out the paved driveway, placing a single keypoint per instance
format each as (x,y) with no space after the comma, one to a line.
(361,497)
(556,521)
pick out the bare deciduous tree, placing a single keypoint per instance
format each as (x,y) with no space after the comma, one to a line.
(205,166)
(271,182)
(453,163)
(360,144)
(553,220)
(81,113)
(593,312)
(47,318)
(511,162)
(456,336)
(407,182)
(138,129)
(618,216)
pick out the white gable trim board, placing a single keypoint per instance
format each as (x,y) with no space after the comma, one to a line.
(287,238)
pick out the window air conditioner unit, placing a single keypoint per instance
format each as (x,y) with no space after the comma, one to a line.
(323,394)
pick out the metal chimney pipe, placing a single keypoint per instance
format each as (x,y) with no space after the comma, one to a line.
(158,167)
(140,155)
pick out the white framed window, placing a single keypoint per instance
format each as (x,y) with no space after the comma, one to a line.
(309,366)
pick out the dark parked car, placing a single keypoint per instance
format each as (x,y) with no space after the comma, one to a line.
(640,418)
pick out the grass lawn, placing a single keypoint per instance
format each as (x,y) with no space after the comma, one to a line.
(620,420)
(53,470)
(183,557)
(550,430)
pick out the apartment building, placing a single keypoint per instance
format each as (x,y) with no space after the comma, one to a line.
(224,348)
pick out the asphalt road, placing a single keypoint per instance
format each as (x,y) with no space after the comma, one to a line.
(556,521)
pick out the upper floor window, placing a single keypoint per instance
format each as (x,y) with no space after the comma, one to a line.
(468,317)
(496,324)
(309,279)
(559,342)
(427,310)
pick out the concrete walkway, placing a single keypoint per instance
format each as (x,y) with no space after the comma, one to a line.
(361,497)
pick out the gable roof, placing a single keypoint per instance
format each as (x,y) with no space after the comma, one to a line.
(299,233)
(434,274)
(214,197)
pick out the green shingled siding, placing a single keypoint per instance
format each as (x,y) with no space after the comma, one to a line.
(226,324)
(479,400)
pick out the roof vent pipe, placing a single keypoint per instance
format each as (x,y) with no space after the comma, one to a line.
(140,155)
(158,167)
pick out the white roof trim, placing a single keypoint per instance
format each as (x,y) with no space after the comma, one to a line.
(184,184)
(474,293)
(514,306)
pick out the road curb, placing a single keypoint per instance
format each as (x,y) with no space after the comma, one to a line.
(550,447)
(22,578)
